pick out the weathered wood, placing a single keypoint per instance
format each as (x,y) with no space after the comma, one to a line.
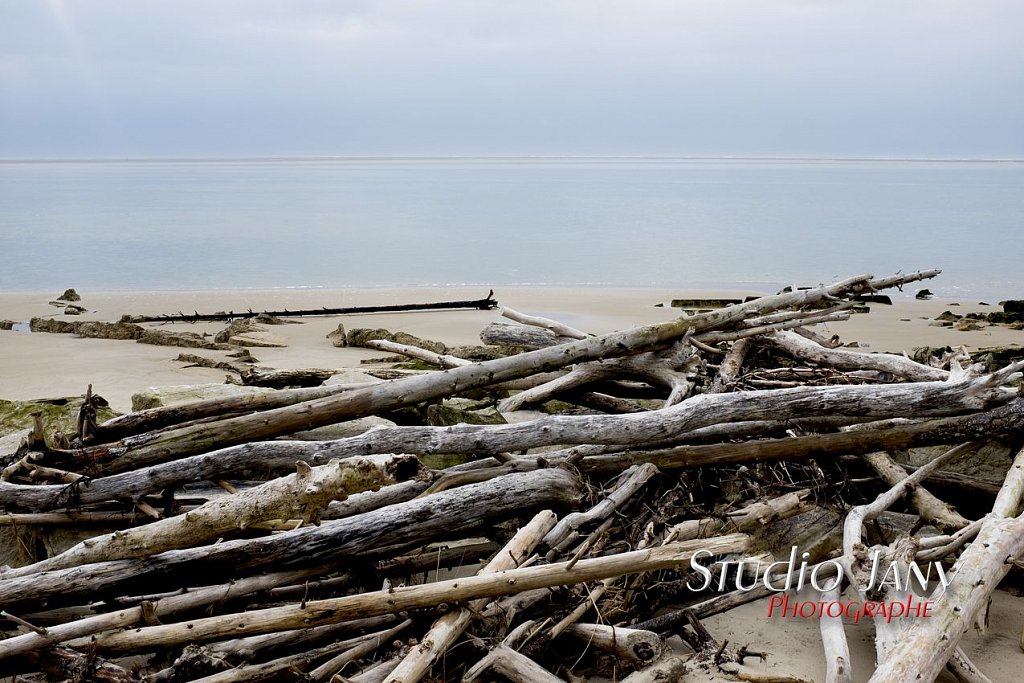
(833,639)
(629,644)
(925,645)
(450,626)
(513,666)
(151,419)
(632,481)
(554,326)
(485,304)
(746,519)
(398,527)
(519,336)
(350,650)
(272,457)
(399,599)
(301,495)
(62,663)
(145,449)
(669,668)
(932,510)
(799,347)
(279,379)
(195,597)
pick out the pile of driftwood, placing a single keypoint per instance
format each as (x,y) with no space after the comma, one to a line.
(687,466)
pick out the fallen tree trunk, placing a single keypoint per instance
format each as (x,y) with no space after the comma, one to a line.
(485,304)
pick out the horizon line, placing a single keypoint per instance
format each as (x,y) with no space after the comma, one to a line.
(505,158)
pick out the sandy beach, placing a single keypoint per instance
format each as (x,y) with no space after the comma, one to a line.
(37,365)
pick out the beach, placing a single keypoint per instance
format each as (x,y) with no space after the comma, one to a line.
(48,365)
(39,365)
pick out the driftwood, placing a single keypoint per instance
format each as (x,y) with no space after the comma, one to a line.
(483,304)
(564,532)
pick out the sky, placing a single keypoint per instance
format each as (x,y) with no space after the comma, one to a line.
(242,78)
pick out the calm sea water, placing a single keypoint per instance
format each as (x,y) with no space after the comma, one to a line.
(677,223)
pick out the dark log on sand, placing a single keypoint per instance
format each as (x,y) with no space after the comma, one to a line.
(485,304)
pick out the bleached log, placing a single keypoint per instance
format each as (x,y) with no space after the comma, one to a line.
(926,645)
(731,366)
(251,458)
(350,650)
(398,527)
(748,329)
(838,665)
(519,336)
(513,666)
(1001,421)
(554,326)
(441,360)
(194,598)
(932,510)
(796,346)
(629,644)
(449,627)
(245,649)
(579,376)
(632,481)
(259,459)
(300,495)
(378,673)
(404,598)
(146,449)
(670,668)
(150,419)
(745,519)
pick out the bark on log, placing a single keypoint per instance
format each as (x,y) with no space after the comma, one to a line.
(519,336)
(279,379)
(396,600)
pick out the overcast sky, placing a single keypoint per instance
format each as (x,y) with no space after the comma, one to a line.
(109,78)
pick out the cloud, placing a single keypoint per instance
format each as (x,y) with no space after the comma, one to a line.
(458,76)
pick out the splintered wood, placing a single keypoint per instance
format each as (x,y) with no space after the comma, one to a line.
(677,471)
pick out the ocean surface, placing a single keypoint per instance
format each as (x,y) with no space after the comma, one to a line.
(757,224)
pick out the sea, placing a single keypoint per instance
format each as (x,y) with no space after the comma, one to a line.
(757,224)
